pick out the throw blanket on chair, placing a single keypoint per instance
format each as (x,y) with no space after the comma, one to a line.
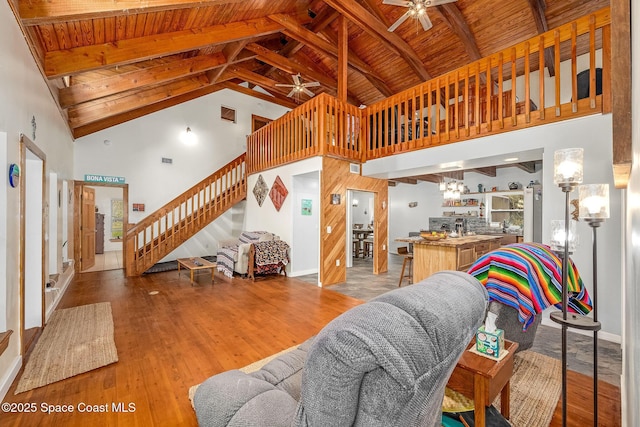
(528,277)
(228,255)
(271,256)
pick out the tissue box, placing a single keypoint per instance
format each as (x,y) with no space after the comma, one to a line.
(490,343)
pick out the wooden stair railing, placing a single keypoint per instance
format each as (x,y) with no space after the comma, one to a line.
(164,230)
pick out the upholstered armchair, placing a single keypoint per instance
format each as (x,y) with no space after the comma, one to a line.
(233,254)
(383,363)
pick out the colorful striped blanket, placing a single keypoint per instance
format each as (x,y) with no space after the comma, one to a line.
(528,277)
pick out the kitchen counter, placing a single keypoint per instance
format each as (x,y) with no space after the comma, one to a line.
(451,241)
(452,253)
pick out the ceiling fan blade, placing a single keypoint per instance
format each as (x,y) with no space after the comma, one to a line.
(311,84)
(398,2)
(308,92)
(296,79)
(293,92)
(429,3)
(399,21)
(425,21)
(284,85)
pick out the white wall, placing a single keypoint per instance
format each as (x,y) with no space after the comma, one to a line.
(363,213)
(266,217)
(23,96)
(32,177)
(306,228)
(135,151)
(594,134)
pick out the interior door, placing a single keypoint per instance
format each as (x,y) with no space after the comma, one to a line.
(88,250)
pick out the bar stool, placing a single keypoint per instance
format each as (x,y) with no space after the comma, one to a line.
(408,259)
(367,248)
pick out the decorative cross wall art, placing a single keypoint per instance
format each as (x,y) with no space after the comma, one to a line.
(260,190)
(278,193)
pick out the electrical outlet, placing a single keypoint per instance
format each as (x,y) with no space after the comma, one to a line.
(337,263)
(328,229)
(384,247)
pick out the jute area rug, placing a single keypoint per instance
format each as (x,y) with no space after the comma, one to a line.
(535,389)
(76,340)
(536,385)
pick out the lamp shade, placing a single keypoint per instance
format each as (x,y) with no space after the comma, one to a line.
(594,201)
(558,233)
(567,166)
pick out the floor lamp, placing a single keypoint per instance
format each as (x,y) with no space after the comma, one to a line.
(567,169)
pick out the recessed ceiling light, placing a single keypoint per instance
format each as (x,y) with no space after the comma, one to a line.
(511,159)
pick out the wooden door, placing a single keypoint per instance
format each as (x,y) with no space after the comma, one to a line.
(88,227)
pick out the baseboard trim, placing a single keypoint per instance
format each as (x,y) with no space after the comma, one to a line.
(303,272)
(607,336)
(65,280)
(11,375)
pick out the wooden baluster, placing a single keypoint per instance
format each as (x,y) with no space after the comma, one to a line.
(557,68)
(527,84)
(574,68)
(541,48)
(501,106)
(514,116)
(592,62)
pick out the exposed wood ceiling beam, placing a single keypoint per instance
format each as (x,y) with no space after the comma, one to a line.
(73,61)
(288,66)
(526,166)
(110,121)
(95,110)
(257,79)
(283,102)
(537,9)
(294,29)
(76,94)
(319,23)
(369,23)
(43,11)
(405,180)
(231,52)
(488,171)
(459,26)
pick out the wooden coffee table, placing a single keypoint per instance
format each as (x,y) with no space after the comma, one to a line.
(481,379)
(193,264)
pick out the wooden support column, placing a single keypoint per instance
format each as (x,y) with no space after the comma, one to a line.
(343,57)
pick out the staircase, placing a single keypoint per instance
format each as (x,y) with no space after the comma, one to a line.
(164,230)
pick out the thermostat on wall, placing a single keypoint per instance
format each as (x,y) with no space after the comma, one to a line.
(14,175)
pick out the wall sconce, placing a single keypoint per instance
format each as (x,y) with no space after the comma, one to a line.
(188,137)
(354,203)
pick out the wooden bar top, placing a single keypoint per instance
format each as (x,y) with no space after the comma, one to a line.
(450,241)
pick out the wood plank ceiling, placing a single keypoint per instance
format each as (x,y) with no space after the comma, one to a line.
(109,62)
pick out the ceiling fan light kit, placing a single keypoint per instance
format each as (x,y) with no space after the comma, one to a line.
(417,9)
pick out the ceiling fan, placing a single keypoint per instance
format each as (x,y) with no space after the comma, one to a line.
(298,87)
(417,10)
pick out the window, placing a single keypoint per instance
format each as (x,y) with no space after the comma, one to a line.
(228,114)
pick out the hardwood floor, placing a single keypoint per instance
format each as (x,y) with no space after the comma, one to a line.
(182,335)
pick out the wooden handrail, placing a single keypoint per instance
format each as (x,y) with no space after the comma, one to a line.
(453,107)
(161,232)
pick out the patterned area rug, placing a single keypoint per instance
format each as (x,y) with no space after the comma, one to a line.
(536,385)
(76,340)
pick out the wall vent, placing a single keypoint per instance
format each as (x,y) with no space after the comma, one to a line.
(167,160)
(354,168)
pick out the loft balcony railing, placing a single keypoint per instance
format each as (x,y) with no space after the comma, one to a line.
(319,127)
(476,100)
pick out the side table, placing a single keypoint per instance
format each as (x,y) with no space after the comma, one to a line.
(481,378)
